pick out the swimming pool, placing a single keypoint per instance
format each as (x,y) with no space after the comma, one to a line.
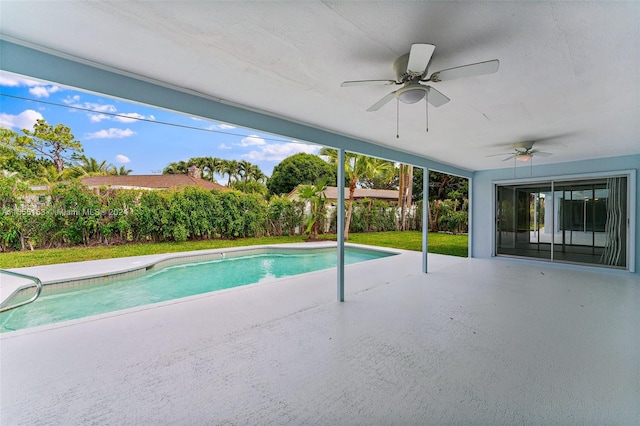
(186,278)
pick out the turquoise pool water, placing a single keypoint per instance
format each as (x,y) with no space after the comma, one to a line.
(173,282)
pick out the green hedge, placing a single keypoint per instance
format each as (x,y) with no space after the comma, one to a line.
(70,215)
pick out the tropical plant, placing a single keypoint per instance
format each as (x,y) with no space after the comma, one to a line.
(315,197)
(122,170)
(357,167)
(176,168)
(229,168)
(405,188)
(49,174)
(89,166)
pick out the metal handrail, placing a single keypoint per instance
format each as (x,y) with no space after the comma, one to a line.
(37,282)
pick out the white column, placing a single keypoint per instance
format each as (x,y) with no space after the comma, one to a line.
(340,225)
(425,218)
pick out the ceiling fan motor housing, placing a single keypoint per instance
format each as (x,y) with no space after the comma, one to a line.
(400,69)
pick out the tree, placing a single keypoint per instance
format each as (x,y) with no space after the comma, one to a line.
(230,168)
(249,172)
(356,167)
(89,166)
(299,169)
(209,166)
(49,174)
(244,170)
(56,143)
(405,188)
(8,146)
(314,195)
(16,158)
(176,168)
(121,171)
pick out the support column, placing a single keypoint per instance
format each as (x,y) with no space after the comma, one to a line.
(425,218)
(340,225)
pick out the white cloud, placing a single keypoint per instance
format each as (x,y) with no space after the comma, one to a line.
(11,80)
(25,120)
(96,118)
(130,117)
(111,133)
(122,159)
(43,91)
(223,146)
(74,101)
(252,140)
(278,152)
(70,100)
(36,88)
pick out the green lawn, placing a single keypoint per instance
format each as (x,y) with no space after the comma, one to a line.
(455,245)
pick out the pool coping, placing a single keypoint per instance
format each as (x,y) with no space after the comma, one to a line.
(98,271)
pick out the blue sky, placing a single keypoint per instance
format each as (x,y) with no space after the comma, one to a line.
(134,135)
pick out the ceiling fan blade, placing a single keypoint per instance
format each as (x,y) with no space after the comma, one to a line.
(419,57)
(541,154)
(511,157)
(382,102)
(500,155)
(368,83)
(471,70)
(436,98)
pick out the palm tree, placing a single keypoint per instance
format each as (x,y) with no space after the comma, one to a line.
(176,168)
(244,170)
(405,193)
(214,165)
(50,174)
(121,171)
(229,167)
(256,174)
(89,166)
(356,167)
(314,195)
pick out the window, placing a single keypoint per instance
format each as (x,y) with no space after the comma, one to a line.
(577,221)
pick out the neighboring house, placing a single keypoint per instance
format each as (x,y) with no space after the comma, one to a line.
(331,194)
(152,182)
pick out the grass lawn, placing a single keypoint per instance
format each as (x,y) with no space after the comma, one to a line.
(455,245)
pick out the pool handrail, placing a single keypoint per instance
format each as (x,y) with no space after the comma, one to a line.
(37,282)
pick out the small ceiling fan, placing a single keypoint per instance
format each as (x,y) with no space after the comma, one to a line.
(524,151)
(412,70)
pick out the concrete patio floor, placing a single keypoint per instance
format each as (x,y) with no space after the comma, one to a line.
(474,341)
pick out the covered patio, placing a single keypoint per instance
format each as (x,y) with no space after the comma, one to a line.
(481,340)
(474,341)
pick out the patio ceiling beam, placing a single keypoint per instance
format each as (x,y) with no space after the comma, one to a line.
(35,61)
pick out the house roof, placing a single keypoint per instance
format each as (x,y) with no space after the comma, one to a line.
(331,193)
(150,182)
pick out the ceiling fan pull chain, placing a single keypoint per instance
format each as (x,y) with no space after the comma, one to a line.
(426,103)
(531,169)
(397,118)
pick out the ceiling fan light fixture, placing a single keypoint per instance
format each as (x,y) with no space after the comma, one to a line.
(411,96)
(524,157)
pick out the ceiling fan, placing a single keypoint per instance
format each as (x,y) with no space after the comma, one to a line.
(411,71)
(524,152)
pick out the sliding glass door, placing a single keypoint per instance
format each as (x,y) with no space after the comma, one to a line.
(567,221)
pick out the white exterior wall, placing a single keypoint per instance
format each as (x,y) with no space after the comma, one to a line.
(483,228)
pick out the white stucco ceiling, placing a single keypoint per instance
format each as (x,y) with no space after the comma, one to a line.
(569,71)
